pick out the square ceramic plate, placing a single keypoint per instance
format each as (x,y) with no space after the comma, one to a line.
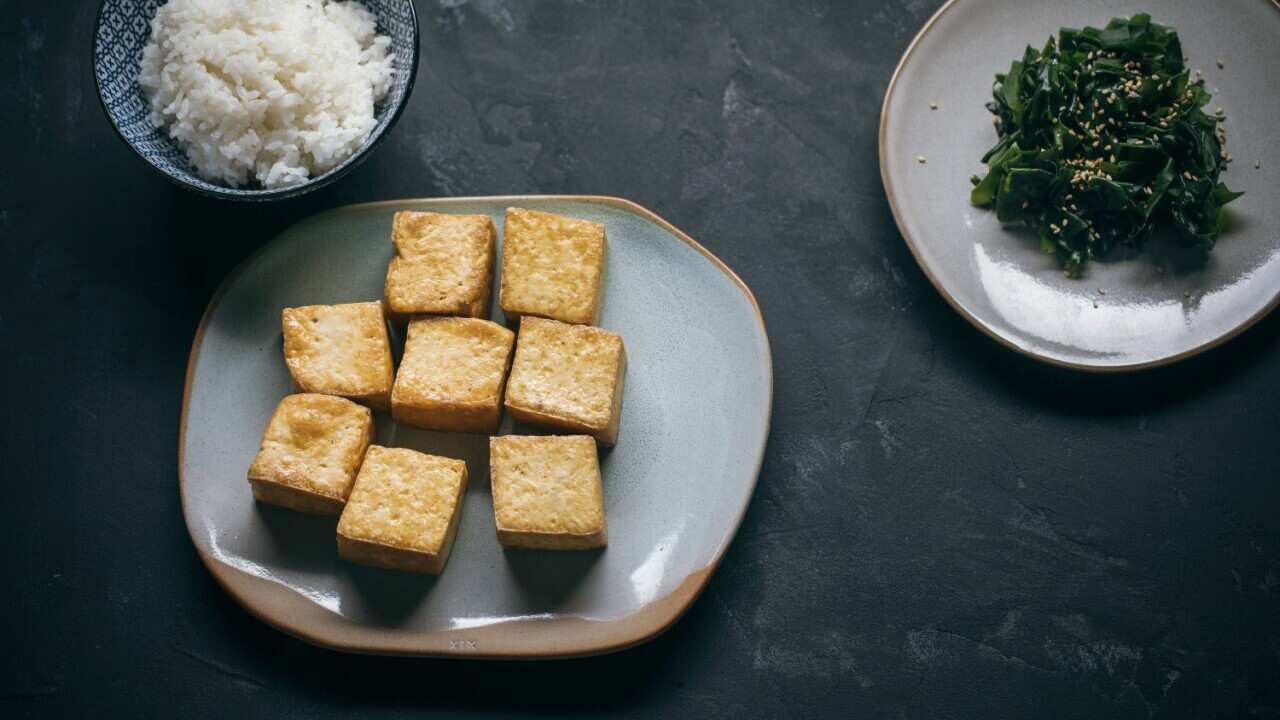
(695,418)
(1126,313)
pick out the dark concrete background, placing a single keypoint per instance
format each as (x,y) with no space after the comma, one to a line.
(942,528)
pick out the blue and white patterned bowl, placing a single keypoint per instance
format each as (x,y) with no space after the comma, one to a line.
(124,26)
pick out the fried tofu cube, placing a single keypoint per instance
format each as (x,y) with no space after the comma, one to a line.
(443,265)
(310,452)
(403,511)
(340,350)
(547,492)
(452,375)
(552,266)
(568,377)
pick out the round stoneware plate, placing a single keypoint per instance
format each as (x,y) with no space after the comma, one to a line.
(695,417)
(1128,311)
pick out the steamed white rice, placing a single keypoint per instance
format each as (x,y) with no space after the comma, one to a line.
(275,91)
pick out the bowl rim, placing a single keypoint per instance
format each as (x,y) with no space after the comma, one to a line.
(291,191)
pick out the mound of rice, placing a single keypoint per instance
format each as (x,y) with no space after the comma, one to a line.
(276,91)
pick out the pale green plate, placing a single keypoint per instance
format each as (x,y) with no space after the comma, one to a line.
(695,418)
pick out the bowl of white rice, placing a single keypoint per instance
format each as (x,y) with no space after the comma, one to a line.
(254,99)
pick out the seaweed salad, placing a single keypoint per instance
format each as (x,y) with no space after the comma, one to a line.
(1102,137)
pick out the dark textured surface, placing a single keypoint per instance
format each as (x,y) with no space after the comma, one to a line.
(942,529)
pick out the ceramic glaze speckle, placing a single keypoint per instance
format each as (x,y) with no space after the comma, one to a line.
(1129,310)
(695,418)
(124,26)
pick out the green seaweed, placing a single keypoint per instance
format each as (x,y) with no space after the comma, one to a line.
(1103,137)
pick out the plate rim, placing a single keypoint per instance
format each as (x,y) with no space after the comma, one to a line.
(986,328)
(528,639)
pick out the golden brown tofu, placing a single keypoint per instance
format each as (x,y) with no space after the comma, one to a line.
(568,377)
(340,350)
(403,511)
(552,266)
(310,451)
(547,492)
(452,375)
(443,265)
